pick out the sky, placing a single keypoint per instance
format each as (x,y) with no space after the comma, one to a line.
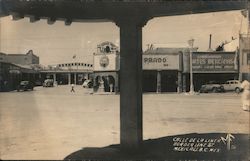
(58,43)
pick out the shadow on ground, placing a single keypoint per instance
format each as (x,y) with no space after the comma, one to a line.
(209,146)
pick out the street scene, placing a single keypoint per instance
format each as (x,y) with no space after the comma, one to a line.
(124,80)
(53,122)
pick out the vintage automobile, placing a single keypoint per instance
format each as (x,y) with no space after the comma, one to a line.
(25,86)
(87,84)
(212,86)
(233,85)
(48,83)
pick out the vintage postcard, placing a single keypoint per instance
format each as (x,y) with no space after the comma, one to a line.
(124,80)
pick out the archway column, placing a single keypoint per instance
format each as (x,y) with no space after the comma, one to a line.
(131,82)
(54,78)
(75,74)
(69,78)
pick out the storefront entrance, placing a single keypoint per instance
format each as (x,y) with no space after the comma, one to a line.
(149,81)
(169,81)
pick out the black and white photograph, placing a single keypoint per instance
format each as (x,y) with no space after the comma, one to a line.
(125,80)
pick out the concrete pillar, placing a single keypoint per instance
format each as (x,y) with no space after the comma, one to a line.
(130,84)
(240,76)
(69,78)
(184,85)
(54,79)
(158,86)
(74,78)
(179,88)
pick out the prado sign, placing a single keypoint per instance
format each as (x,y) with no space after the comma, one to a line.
(160,62)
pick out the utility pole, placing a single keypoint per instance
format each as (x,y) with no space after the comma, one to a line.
(191,43)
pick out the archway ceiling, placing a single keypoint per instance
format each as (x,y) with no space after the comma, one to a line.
(85,10)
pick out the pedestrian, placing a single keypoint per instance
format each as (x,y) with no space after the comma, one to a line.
(245,97)
(72,88)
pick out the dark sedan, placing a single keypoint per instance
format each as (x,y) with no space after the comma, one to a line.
(25,86)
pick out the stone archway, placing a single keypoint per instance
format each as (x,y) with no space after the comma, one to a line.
(112,83)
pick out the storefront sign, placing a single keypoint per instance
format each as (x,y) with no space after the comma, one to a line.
(14,71)
(214,62)
(160,62)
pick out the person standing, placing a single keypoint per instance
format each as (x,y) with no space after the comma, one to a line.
(72,88)
(245,98)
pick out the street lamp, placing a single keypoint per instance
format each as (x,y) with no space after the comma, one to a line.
(191,43)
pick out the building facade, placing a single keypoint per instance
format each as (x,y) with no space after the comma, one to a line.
(68,73)
(162,69)
(17,67)
(216,66)
(11,75)
(22,59)
(106,68)
(167,69)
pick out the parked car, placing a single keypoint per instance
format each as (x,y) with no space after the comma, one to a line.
(211,86)
(48,83)
(87,84)
(24,86)
(233,85)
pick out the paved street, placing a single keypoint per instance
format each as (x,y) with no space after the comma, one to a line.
(51,123)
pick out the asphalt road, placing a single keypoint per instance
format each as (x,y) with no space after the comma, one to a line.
(50,123)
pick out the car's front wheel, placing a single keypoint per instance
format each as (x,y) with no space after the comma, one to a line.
(214,90)
(237,90)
